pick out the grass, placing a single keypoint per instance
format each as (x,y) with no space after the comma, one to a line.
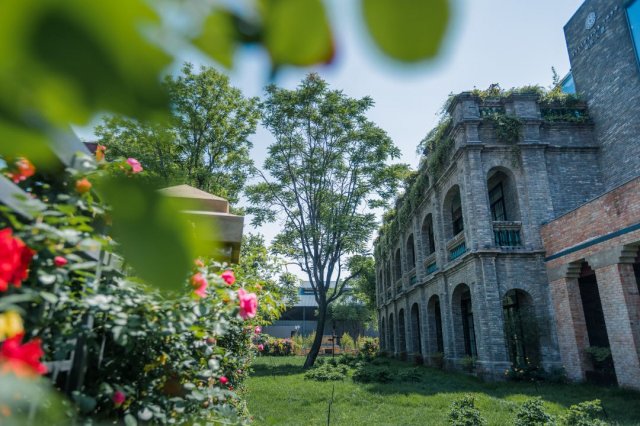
(278,394)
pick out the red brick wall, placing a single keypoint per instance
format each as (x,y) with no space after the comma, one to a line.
(608,213)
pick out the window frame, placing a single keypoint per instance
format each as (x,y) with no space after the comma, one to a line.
(635,43)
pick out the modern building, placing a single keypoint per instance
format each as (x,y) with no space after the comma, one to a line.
(522,248)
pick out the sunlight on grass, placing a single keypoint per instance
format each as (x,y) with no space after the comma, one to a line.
(278,394)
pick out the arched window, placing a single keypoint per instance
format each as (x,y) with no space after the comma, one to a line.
(402,342)
(398,266)
(503,195)
(463,321)
(428,239)
(452,212)
(391,334)
(436,342)
(411,253)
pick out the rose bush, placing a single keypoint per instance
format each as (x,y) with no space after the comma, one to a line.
(138,354)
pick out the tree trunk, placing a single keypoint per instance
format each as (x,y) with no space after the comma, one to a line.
(315,347)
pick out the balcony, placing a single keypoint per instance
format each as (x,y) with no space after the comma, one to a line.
(456,246)
(430,265)
(413,278)
(507,234)
(399,286)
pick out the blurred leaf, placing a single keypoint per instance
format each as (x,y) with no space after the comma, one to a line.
(218,37)
(31,401)
(297,32)
(407,30)
(153,233)
(19,141)
(129,420)
(69,59)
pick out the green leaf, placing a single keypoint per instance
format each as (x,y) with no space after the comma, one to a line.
(297,32)
(218,37)
(70,59)
(153,234)
(407,30)
(129,420)
(86,404)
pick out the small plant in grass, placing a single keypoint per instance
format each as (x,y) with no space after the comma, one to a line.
(327,372)
(532,413)
(527,372)
(464,413)
(348,360)
(468,363)
(368,373)
(586,413)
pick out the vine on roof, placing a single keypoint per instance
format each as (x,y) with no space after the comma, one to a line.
(437,145)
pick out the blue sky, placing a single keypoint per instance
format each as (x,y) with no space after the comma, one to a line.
(510,42)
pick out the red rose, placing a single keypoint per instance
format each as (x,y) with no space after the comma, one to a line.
(22,360)
(228,277)
(15,257)
(23,169)
(224,380)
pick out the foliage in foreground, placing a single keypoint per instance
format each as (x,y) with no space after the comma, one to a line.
(143,355)
(531,413)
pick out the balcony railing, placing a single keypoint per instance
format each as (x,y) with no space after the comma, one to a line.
(399,286)
(507,234)
(413,278)
(456,246)
(431,268)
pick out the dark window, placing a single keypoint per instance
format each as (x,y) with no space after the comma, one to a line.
(467,323)
(593,315)
(456,215)
(411,253)
(428,237)
(496,200)
(439,341)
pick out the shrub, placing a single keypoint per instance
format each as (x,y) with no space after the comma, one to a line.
(327,372)
(410,375)
(586,413)
(348,360)
(347,343)
(278,347)
(464,413)
(368,373)
(368,346)
(527,372)
(532,413)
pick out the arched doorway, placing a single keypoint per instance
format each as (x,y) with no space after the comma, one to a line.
(392,336)
(520,328)
(463,322)
(411,253)
(436,342)
(416,347)
(604,369)
(383,335)
(402,342)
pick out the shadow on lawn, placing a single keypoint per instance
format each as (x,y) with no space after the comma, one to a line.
(260,370)
(617,402)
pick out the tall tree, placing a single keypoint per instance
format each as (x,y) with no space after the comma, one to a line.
(204,143)
(325,171)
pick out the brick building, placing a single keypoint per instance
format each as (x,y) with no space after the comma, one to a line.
(526,250)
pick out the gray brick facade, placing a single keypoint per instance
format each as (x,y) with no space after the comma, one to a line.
(509,289)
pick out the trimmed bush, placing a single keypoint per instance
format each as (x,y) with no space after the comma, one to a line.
(367,373)
(586,413)
(532,413)
(464,413)
(327,372)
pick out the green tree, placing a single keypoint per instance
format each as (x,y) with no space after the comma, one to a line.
(258,266)
(325,170)
(364,285)
(204,143)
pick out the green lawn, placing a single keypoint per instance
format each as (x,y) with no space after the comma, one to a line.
(278,394)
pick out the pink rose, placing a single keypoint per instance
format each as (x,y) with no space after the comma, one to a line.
(136,167)
(199,282)
(224,380)
(248,304)
(228,277)
(119,398)
(257,330)
(261,347)
(60,261)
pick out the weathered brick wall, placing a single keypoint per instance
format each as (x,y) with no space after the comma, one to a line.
(606,72)
(611,211)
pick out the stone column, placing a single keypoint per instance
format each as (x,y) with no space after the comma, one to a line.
(477,215)
(408,327)
(570,322)
(538,203)
(620,305)
(488,319)
(424,324)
